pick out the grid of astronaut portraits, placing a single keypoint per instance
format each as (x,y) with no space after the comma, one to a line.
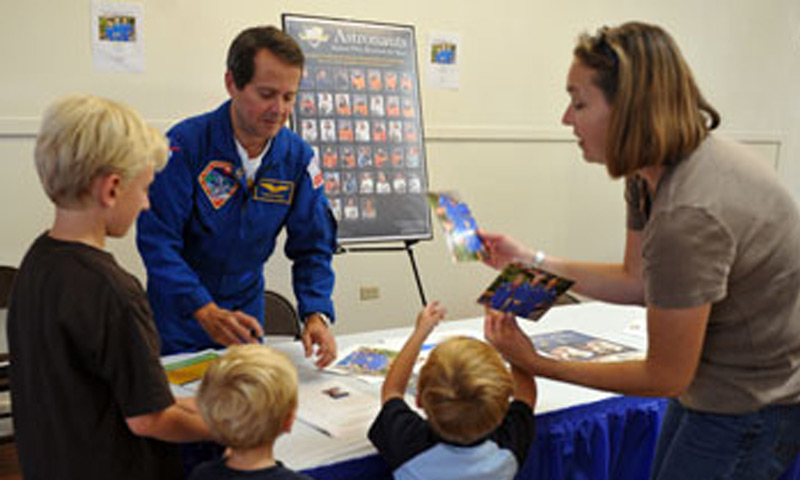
(364,127)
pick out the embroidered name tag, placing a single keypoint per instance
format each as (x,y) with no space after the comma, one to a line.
(218,182)
(271,190)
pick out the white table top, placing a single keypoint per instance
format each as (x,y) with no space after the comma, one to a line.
(306,447)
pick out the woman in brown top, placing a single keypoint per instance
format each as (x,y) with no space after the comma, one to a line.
(712,251)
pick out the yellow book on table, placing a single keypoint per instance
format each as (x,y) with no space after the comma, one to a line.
(190,369)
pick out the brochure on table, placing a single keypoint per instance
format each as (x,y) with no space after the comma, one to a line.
(570,345)
(370,362)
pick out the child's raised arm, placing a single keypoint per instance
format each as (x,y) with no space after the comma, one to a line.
(400,372)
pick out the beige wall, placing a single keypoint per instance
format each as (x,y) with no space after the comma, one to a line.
(497,140)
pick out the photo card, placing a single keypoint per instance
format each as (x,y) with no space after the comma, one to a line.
(525,291)
(460,228)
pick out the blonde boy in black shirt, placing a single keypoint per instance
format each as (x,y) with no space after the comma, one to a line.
(90,397)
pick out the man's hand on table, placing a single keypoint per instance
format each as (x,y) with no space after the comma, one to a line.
(316,333)
(227,327)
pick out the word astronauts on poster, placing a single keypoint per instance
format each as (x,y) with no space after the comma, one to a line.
(358,107)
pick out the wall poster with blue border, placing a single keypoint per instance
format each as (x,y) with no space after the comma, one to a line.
(359,108)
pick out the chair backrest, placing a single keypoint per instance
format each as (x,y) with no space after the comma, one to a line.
(280,316)
(7,276)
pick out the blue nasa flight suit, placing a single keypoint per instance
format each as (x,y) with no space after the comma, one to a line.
(207,237)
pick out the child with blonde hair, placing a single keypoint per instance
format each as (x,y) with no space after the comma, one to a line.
(91,400)
(248,398)
(473,428)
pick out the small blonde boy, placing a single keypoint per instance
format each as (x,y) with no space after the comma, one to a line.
(248,398)
(473,430)
(91,400)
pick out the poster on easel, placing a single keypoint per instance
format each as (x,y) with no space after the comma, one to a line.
(358,106)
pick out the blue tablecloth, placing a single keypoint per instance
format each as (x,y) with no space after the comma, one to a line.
(610,439)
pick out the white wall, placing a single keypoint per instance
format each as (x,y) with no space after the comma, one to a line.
(497,140)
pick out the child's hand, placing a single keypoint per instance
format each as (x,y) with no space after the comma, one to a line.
(429,317)
(403,365)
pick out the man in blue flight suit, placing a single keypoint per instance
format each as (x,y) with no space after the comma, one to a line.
(236,177)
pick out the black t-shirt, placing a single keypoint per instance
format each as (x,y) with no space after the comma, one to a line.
(413,450)
(84,356)
(217,470)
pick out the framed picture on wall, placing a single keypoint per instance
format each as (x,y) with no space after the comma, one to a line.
(359,107)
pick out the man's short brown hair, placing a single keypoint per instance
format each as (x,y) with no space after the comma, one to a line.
(243,50)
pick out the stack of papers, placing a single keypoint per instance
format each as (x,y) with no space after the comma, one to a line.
(336,409)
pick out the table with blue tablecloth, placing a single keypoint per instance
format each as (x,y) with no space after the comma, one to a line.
(581,434)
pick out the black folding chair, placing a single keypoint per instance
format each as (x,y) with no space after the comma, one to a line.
(280,316)
(7,276)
